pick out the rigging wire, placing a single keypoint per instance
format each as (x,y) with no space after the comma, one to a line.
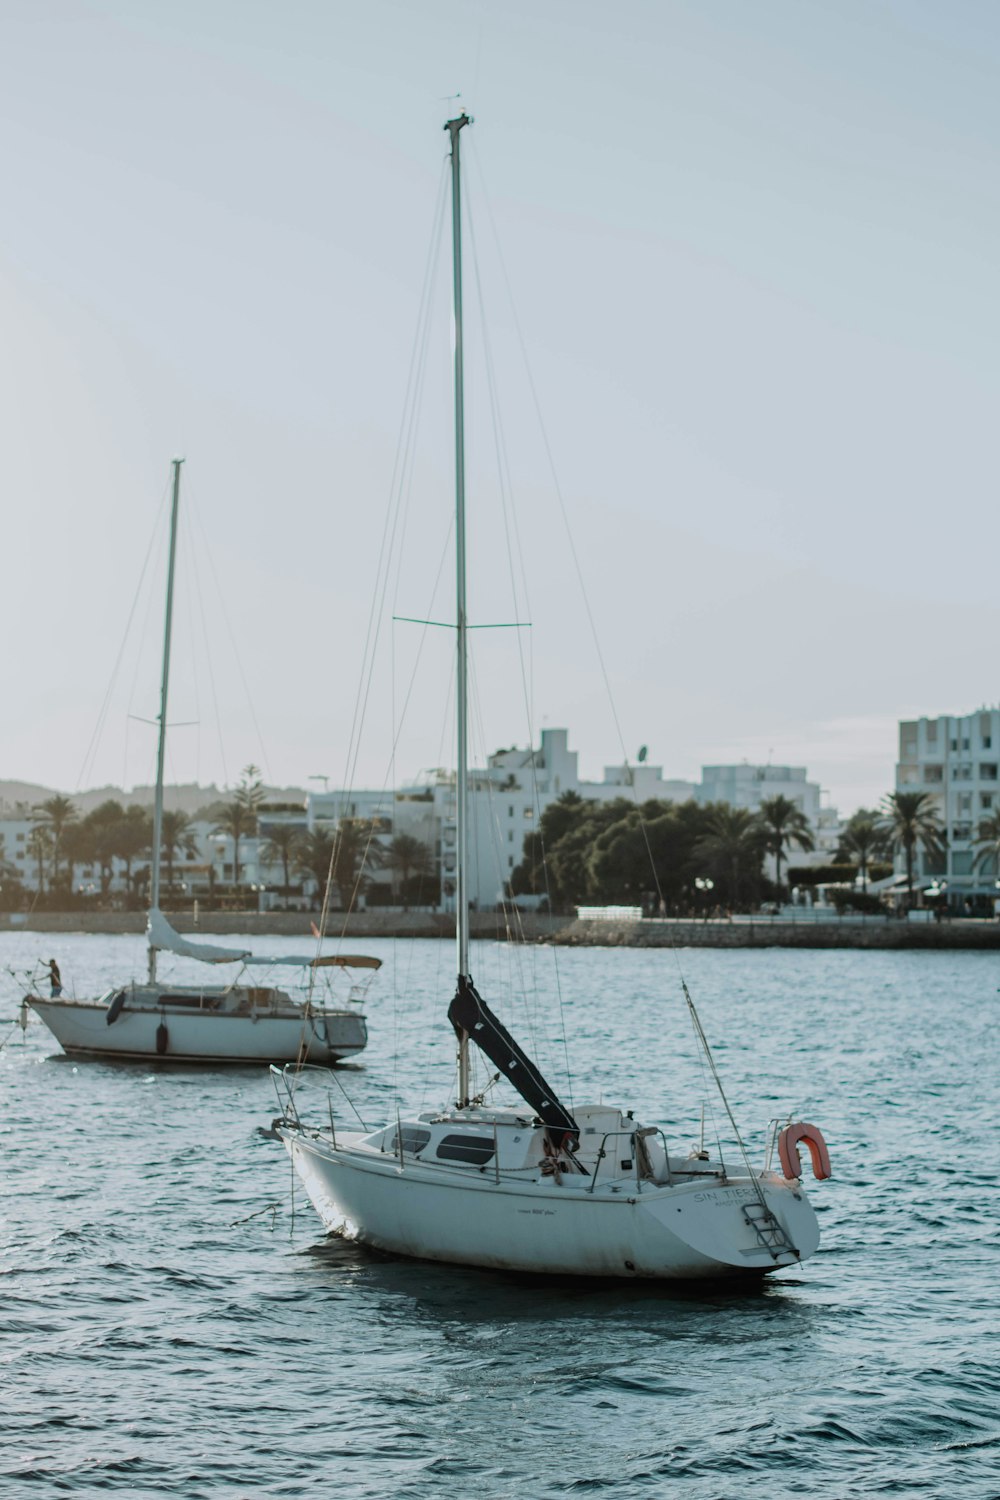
(401,463)
(188,582)
(221,600)
(571,544)
(90,754)
(511,531)
(398,493)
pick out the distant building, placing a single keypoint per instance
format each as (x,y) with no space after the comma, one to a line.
(956,761)
(748,786)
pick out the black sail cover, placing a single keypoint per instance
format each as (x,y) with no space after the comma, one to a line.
(469,1012)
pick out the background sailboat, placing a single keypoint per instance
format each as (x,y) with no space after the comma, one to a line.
(234,1023)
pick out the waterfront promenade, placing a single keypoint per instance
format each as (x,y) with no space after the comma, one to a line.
(718,932)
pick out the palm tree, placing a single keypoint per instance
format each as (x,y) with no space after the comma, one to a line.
(40,846)
(409,857)
(355,852)
(78,847)
(132,835)
(56,813)
(988,843)
(862,841)
(281,848)
(783,824)
(732,844)
(176,837)
(313,856)
(101,826)
(341,858)
(909,819)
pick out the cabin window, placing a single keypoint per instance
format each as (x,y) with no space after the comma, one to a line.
(474,1149)
(414,1139)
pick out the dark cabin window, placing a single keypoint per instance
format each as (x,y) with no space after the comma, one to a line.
(414,1139)
(474,1149)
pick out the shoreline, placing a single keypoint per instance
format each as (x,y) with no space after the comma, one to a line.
(652,932)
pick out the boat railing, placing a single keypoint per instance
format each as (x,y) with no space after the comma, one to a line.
(286,1079)
(640,1157)
(774,1129)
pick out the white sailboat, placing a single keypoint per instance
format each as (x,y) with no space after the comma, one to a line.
(240,1022)
(541,1188)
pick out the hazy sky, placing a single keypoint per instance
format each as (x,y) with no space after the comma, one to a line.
(753,250)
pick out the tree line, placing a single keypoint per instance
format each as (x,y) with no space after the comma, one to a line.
(62,842)
(685,857)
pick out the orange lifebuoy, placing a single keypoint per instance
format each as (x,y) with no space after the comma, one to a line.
(788,1154)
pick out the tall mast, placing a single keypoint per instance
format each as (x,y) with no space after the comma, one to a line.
(454,129)
(154,895)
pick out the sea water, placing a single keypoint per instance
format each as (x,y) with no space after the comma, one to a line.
(176,1322)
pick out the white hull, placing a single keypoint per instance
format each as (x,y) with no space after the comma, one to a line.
(623,1228)
(81,1029)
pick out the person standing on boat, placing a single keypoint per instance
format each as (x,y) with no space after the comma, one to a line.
(55,978)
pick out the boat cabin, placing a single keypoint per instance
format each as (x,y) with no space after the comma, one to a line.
(614,1148)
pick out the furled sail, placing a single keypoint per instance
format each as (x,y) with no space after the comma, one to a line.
(163,937)
(469,1012)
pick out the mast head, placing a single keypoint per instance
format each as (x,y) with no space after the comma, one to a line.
(454,126)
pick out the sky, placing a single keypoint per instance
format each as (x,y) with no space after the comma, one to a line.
(730,302)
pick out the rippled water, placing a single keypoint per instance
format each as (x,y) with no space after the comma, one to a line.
(171,1327)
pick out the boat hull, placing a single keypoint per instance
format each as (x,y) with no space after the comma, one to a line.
(686,1232)
(82,1030)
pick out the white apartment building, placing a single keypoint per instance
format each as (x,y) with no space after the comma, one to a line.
(748,786)
(15,835)
(956,760)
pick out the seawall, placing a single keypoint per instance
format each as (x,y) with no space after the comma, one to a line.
(566,932)
(747,933)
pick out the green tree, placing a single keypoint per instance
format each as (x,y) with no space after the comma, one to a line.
(645,852)
(532,876)
(569,856)
(355,856)
(133,837)
(783,825)
(11,885)
(77,847)
(410,859)
(910,820)
(40,846)
(281,848)
(342,858)
(250,792)
(609,851)
(731,847)
(238,818)
(102,825)
(313,856)
(176,838)
(57,814)
(861,843)
(987,857)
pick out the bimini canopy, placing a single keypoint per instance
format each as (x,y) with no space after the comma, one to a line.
(163,937)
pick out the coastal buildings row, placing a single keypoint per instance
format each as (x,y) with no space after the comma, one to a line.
(954,759)
(506,798)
